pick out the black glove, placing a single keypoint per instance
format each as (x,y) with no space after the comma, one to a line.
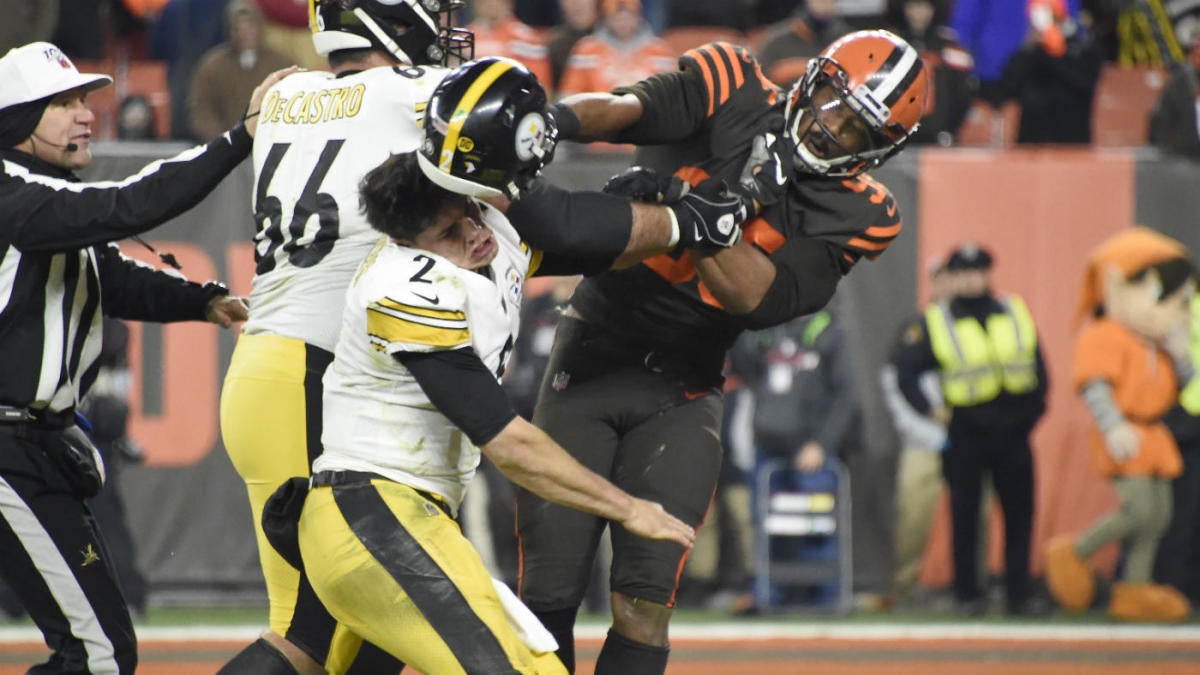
(565,121)
(767,170)
(643,184)
(710,216)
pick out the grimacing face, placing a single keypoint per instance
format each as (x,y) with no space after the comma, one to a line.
(833,129)
(459,235)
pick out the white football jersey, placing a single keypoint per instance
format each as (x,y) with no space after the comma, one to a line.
(318,135)
(376,416)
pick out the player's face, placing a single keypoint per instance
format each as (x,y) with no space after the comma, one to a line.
(832,128)
(460,236)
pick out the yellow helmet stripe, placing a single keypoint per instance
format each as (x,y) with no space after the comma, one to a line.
(312,16)
(464,108)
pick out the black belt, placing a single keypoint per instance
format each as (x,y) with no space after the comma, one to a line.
(28,423)
(334,478)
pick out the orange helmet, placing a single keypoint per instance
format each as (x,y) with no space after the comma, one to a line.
(877,88)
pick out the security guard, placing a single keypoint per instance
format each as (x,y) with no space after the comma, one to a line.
(985,350)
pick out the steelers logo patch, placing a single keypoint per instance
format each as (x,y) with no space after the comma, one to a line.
(530,132)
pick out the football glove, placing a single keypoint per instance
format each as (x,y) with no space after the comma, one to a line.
(767,170)
(710,216)
(643,184)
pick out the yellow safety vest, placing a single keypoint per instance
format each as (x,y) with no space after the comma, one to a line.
(978,363)
(1189,398)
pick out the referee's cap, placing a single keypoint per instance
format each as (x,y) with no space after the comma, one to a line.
(39,70)
(969,256)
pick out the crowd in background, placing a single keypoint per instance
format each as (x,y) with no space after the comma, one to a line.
(1045,55)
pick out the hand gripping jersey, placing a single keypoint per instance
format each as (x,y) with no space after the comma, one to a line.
(317,136)
(377,418)
(699,123)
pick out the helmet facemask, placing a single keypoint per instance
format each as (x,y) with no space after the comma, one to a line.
(414,32)
(837,131)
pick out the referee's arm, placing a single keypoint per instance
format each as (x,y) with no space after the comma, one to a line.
(137,292)
(47,214)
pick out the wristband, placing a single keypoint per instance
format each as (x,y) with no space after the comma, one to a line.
(569,126)
(674,241)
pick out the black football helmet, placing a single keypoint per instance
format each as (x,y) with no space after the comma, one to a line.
(415,32)
(486,129)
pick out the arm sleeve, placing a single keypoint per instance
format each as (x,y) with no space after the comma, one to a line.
(675,105)
(577,232)
(843,409)
(806,274)
(460,386)
(133,290)
(1098,397)
(914,359)
(53,215)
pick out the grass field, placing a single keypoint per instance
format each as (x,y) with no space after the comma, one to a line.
(194,641)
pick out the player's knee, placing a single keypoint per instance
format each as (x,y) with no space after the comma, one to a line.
(260,658)
(640,620)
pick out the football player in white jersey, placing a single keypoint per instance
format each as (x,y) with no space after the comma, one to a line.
(321,132)
(413,397)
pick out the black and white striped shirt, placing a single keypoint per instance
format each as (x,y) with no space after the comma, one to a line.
(59,274)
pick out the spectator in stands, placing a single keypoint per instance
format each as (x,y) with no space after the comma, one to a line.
(950,67)
(498,32)
(182,33)
(229,72)
(76,31)
(27,21)
(286,30)
(789,44)
(806,413)
(993,30)
(1053,76)
(579,18)
(738,14)
(621,51)
(1173,124)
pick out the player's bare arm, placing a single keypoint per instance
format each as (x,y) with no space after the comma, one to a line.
(738,277)
(602,115)
(532,460)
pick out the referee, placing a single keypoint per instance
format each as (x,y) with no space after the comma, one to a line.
(58,277)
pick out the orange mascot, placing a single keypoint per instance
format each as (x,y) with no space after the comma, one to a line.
(1130,356)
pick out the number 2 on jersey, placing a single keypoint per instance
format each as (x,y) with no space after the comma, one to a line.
(268,214)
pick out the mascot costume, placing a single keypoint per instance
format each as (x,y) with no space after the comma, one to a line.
(1131,355)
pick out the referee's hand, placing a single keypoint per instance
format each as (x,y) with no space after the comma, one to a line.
(226,310)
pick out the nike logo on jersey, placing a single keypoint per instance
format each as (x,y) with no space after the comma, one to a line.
(891,210)
(426,298)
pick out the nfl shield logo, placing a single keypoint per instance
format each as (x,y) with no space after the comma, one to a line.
(560,381)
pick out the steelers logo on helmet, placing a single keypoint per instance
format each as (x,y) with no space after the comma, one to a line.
(486,134)
(857,104)
(531,131)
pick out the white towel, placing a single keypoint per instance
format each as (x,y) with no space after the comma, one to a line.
(527,626)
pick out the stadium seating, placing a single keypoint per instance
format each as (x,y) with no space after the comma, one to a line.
(135,77)
(1125,95)
(988,127)
(683,38)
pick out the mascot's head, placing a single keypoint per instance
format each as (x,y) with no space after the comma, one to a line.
(1140,278)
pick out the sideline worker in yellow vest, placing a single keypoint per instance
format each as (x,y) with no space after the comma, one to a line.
(985,350)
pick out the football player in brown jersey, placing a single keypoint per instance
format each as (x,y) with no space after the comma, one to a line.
(632,388)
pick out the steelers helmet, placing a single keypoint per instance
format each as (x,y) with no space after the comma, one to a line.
(423,37)
(880,79)
(486,129)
